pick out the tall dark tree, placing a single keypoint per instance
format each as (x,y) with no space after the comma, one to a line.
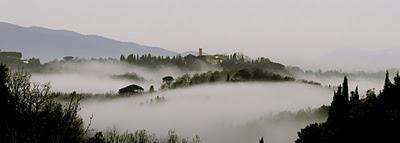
(130,58)
(388,83)
(397,79)
(122,58)
(355,97)
(340,104)
(373,119)
(29,114)
(261,140)
(335,105)
(4,104)
(346,90)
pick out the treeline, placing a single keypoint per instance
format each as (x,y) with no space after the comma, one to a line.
(222,76)
(234,61)
(338,73)
(147,60)
(239,61)
(373,119)
(30,114)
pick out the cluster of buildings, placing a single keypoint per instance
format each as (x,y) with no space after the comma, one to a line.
(213,59)
(14,60)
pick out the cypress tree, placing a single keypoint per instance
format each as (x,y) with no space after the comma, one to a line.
(345,90)
(262,140)
(355,98)
(130,58)
(397,80)
(335,105)
(339,110)
(388,83)
(122,58)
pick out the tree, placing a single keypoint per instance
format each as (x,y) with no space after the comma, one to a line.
(397,80)
(167,82)
(388,83)
(345,90)
(212,78)
(151,90)
(262,140)
(131,89)
(28,112)
(182,81)
(242,75)
(339,106)
(355,97)
(130,58)
(98,138)
(34,62)
(68,58)
(376,118)
(122,58)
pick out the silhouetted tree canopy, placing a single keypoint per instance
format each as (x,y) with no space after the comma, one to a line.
(235,62)
(242,75)
(122,58)
(167,82)
(222,76)
(131,89)
(373,119)
(28,113)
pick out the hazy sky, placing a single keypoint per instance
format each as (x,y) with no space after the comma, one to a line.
(270,28)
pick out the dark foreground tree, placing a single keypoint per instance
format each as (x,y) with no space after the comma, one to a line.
(261,140)
(28,113)
(374,119)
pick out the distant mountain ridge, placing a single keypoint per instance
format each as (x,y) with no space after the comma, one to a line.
(48,44)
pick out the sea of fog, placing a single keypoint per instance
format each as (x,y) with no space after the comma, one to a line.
(96,77)
(363,84)
(218,113)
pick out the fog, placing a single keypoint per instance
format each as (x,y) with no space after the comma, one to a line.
(96,77)
(218,113)
(363,83)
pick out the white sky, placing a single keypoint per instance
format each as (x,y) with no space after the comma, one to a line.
(285,30)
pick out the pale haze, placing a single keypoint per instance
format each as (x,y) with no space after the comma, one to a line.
(217,113)
(294,32)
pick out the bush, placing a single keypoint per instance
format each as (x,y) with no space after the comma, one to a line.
(28,113)
(140,136)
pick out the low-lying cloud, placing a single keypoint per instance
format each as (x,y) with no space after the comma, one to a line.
(216,112)
(96,77)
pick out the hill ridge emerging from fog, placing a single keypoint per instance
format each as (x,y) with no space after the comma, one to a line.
(48,44)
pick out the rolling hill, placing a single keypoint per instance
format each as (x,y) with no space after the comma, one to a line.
(48,44)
